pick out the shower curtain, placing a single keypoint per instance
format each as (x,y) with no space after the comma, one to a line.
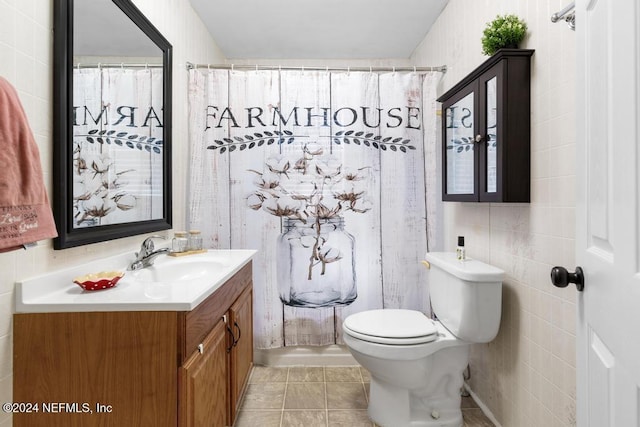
(331,176)
(117,137)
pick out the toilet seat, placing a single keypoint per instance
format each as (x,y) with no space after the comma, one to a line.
(391,326)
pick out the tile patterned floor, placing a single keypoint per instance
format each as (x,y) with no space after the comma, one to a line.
(318,397)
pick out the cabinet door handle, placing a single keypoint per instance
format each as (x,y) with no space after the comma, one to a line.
(235,342)
(200,348)
(478,138)
(233,339)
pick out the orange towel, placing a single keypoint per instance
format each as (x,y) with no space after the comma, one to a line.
(25,213)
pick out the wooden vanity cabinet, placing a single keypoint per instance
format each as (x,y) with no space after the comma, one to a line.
(137,368)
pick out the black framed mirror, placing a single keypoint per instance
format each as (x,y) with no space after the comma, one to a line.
(112,123)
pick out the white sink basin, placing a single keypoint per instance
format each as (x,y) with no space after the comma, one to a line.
(171,284)
(180,269)
(165,273)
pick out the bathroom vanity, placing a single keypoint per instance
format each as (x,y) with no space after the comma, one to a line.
(170,346)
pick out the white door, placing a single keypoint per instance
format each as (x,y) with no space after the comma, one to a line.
(607,212)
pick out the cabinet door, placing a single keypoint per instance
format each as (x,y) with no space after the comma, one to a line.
(203,382)
(460,155)
(241,322)
(491,142)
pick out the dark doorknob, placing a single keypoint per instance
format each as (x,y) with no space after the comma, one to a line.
(560,277)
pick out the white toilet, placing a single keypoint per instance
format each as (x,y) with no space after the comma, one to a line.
(416,363)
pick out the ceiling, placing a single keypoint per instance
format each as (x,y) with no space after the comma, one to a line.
(322,29)
(93,19)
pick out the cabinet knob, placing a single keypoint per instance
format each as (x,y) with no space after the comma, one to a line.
(200,348)
(478,138)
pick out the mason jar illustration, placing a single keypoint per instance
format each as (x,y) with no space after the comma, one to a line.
(316,265)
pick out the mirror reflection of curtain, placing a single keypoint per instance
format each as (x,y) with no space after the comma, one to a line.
(398,189)
(117,145)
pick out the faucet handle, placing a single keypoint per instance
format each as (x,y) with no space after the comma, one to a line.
(148,246)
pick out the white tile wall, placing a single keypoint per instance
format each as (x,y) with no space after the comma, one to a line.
(527,375)
(26,52)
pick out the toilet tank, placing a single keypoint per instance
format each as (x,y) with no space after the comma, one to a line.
(466,296)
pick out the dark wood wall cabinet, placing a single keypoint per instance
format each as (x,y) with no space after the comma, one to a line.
(486,132)
(136,368)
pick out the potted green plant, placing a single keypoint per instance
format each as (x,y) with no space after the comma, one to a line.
(506,31)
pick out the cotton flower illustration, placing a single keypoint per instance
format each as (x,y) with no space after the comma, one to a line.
(316,186)
(95,179)
(311,187)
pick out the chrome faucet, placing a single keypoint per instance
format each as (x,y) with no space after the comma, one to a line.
(147,254)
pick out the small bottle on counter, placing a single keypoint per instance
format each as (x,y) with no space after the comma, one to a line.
(179,242)
(195,240)
(460,253)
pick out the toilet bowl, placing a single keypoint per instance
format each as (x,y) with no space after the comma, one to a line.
(416,363)
(411,377)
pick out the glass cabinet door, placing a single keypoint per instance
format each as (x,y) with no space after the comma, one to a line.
(491,145)
(459,146)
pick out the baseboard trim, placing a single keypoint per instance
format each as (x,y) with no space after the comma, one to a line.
(331,355)
(483,407)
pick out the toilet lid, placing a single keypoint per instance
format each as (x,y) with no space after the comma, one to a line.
(391,326)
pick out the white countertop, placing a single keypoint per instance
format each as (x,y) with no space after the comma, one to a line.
(172,284)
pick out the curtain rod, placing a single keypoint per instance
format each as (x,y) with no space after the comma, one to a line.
(116,65)
(442,68)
